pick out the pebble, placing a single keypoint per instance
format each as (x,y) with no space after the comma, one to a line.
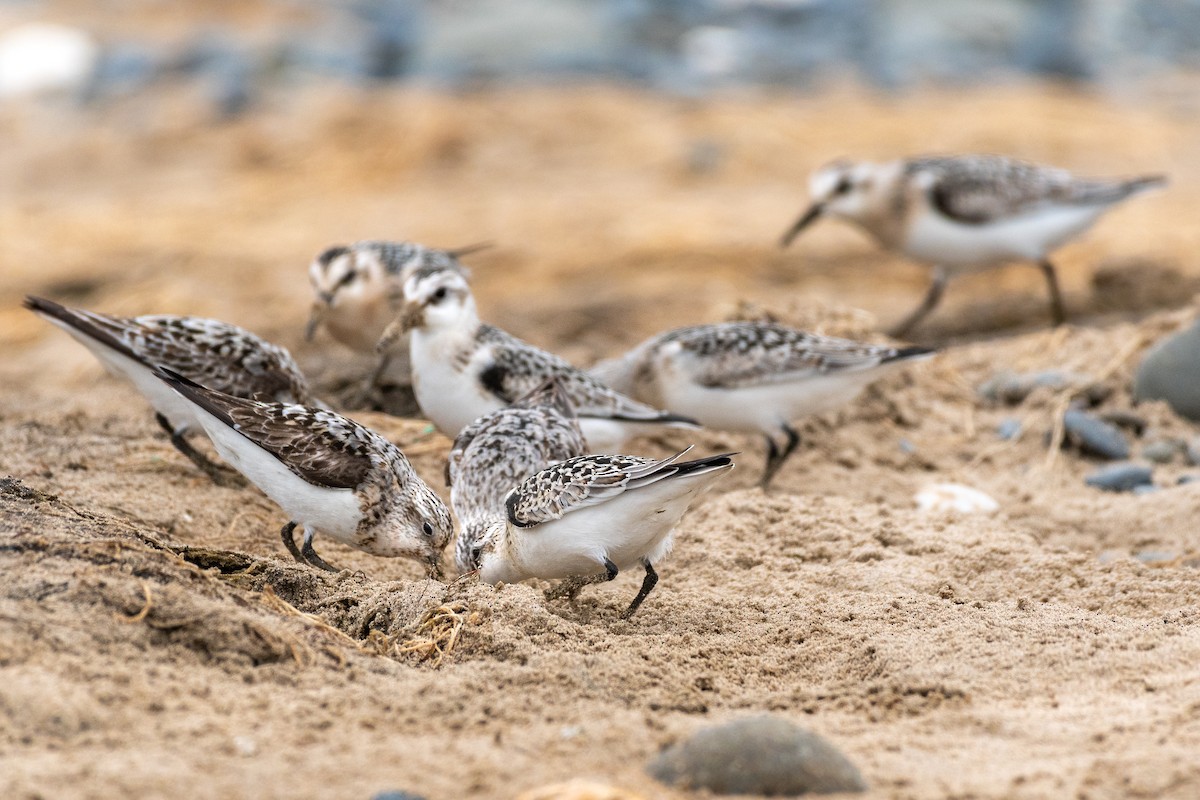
(1095,437)
(764,755)
(1012,388)
(956,498)
(1009,428)
(1170,371)
(1122,477)
(1154,556)
(1183,480)
(1161,451)
(397,795)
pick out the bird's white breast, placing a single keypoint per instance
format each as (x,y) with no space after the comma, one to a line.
(933,237)
(450,397)
(634,525)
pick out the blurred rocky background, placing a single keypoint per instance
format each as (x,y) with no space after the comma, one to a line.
(240,54)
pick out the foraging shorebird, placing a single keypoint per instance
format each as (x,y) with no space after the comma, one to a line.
(216,354)
(587,518)
(330,474)
(501,449)
(965,213)
(751,376)
(463,368)
(359,289)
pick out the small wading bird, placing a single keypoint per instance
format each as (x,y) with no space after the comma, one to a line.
(359,289)
(965,213)
(330,474)
(498,451)
(463,368)
(587,518)
(223,356)
(752,376)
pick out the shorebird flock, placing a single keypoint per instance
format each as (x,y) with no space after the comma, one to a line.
(540,478)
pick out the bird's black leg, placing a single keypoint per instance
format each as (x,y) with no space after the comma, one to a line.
(932,298)
(570,587)
(1057,310)
(311,556)
(290,543)
(215,472)
(648,584)
(776,456)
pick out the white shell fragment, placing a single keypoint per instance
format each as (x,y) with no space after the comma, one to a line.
(955,498)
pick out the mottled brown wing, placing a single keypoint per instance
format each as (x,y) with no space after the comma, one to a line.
(322,447)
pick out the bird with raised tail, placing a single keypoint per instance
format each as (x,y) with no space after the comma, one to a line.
(329,474)
(359,289)
(463,368)
(755,377)
(965,213)
(587,518)
(216,354)
(498,451)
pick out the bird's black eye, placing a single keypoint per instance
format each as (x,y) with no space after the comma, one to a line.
(347,278)
(842,187)
(439,295)
(476,553)
(427,528)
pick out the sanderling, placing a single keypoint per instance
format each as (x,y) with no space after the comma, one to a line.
(463,369)
(330,474)
(498,451)
(965,213)
(751,376)
(216,354)
(360,288)
(594,513)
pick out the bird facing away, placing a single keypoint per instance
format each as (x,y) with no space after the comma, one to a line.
(216,354)
(328,473)
(359,289)
(752,377)
(587,518)
(498,451)
(965,213)
(463,368)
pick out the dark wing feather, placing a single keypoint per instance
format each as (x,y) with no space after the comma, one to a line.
(975,190)
(518,368)
(322,447)
(741,354)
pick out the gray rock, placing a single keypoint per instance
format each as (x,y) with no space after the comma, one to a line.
(1125,419)
(1123,477)
(1186,479)
(392,794)
(1171,371)
(1093,436)
(1009,428)
(1012,388)
(762,755)
(1154,556)
(1161,451)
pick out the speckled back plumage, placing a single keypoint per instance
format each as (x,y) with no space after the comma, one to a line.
(518,368)
(212,353)
(325,449)
(502,449)
(578,483)
(738,354)
(977,189)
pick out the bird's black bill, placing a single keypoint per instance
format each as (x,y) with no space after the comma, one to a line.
(814,211)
